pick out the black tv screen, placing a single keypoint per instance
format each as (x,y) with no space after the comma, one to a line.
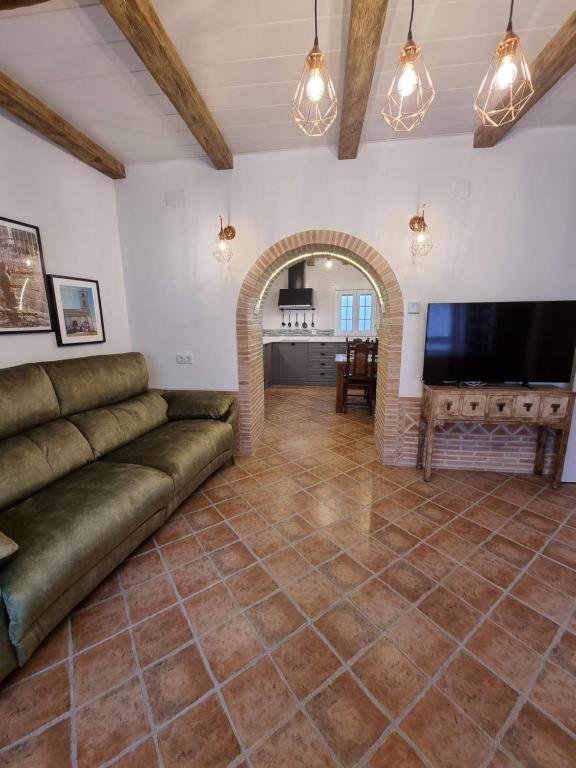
(498,342)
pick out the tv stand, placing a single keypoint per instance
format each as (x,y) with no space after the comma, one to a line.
(542,407)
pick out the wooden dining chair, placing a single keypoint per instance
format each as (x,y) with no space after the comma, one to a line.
(360,373)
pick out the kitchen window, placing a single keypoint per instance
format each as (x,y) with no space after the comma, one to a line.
(356,312)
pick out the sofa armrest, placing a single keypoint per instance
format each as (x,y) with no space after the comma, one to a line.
(7,548)
(196,404)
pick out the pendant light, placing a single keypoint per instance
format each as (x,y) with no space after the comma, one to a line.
(315,105)
(507,86)
(411,91)
(223,250)
(421,244)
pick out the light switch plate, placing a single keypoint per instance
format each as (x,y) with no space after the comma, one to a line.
(184,358)
(413,307)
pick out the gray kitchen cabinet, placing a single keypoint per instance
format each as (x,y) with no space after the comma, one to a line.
(291,363)
(269,353)
(301,363)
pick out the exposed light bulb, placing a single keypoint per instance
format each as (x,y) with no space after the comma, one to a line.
(421,237)
(407,81)
(315,86)
(506,74)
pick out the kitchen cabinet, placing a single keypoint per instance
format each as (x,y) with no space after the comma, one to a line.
(268,364)
(300,363)
(291,363)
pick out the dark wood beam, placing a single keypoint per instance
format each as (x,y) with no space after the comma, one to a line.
(139,22)
(11,5)
(23,105)
(552,63)
(364,34)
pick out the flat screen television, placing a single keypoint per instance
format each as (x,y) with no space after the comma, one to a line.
(500,342)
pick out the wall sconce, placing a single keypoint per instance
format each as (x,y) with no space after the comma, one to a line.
(223,250)
(421,244)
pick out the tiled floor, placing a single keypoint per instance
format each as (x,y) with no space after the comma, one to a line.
(310,607)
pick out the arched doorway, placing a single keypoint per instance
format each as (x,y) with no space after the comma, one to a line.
(249,331)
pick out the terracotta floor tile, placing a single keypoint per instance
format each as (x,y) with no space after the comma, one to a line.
(317,548)
(379,603)
(535,741)
(513,553)
(176,682)
(98,622)
(345,533)
(417,525)
(388,509)
(102,667)
(276,511)
(505,654)
(554,574)
(466,529)
(561,553)
(523,535)
(447,737)
(451,545)
(143,755)
(52,650)
(555,692)
(110,724)
(210,608)
(306,662)
(524,623)
(275,618)
(422,641)
(50,748)
(217,536)
(500,760)
(395,753)
(258,700)
(231,559)
(181,551)
(33,703)
(450,613)
(389,675)
(347,719)
(220,493)
(203,518)
(564,653)
(435,513)
(251,585)
(198,500)
(295,744)
(175,528)
(543,598)
(266,542)
(537,522)
(372,555)
(499,505)
(107,588)
(248,523)
(346,629)
(345,573)
(430,561)
(395,538)
(492,568)
(295,528)
(201,738)
(195,576)
(313,593)
(150,597)
(410,582)
(477,592)
(160,635)
(453,502)
(480,693)
(287,565)
(231,647)
(135,570)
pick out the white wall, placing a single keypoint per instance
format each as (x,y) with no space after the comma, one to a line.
(512,238)
(75,209)
(325,284)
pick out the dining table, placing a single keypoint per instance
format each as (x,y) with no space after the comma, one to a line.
(340,361)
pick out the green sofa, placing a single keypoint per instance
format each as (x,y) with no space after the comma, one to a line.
(91,463)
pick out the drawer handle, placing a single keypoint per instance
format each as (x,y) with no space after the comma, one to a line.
(448,405)
(322,363)
(555,407)
(292,343)
(474,405)
(500,406)
(322,373)
(322,354)
(527,407)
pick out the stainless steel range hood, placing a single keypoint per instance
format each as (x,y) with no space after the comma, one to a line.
(296,296)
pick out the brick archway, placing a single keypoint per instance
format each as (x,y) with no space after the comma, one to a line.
(249,332)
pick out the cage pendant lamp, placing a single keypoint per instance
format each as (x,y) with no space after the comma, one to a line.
(315,105)
(507,86)
(411,91)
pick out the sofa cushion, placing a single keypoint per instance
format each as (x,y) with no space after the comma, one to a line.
(190,404)
(66,529)
(7,548)
(90,382)
(27,398)
(32,460)
(181,449)
(112,426)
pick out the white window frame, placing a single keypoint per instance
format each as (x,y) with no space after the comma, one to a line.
(356,293)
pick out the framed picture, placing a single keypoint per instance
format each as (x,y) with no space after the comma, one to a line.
(77,310)
(24,306)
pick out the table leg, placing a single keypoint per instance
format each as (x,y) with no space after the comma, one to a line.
(421,443)
(540,447)
(339,389)
(430,429)
(560,456)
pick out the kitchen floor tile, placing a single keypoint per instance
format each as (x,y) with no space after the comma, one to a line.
(421,641)
(210,608)
(450,613)
(505,654)
(395,753)
(306,662)
(379,603)
(275,618)
(407,580)
(160,635)
(524,623)
(251,585)
(346,629)
(535,741)
(49,748)
(231,647)
(102,667)
(555,692)
(295,744)
(313,593)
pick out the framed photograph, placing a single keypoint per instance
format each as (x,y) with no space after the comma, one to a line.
(77,310)
(24,306)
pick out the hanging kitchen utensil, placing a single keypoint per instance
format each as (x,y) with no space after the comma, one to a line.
(304,323)
(296,323)
(283,323)
(312,323)
(289,319)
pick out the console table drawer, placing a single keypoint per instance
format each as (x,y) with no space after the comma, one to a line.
(473,405)
(554,407)
(526,406)
(500,405)
(448,405)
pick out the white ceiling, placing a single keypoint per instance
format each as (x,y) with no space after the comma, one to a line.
(246,57)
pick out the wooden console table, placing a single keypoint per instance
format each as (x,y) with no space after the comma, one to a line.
(543,407)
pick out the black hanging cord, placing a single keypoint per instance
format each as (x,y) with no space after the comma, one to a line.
(509,27)
(412,19)
(315,22)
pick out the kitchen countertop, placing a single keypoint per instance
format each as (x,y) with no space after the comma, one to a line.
(311,339)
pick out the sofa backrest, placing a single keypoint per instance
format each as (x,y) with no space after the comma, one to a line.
(27,398)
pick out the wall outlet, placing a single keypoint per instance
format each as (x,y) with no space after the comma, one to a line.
(413,307)
(184,358)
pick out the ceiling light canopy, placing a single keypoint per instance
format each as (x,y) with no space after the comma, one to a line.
(411,91)
(315,105)
(507,86)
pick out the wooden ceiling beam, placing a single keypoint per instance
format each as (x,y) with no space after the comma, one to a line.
(140,24)
(552,63)
(26,107)
(364,34)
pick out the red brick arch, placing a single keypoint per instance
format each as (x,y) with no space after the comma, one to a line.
(249,332)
